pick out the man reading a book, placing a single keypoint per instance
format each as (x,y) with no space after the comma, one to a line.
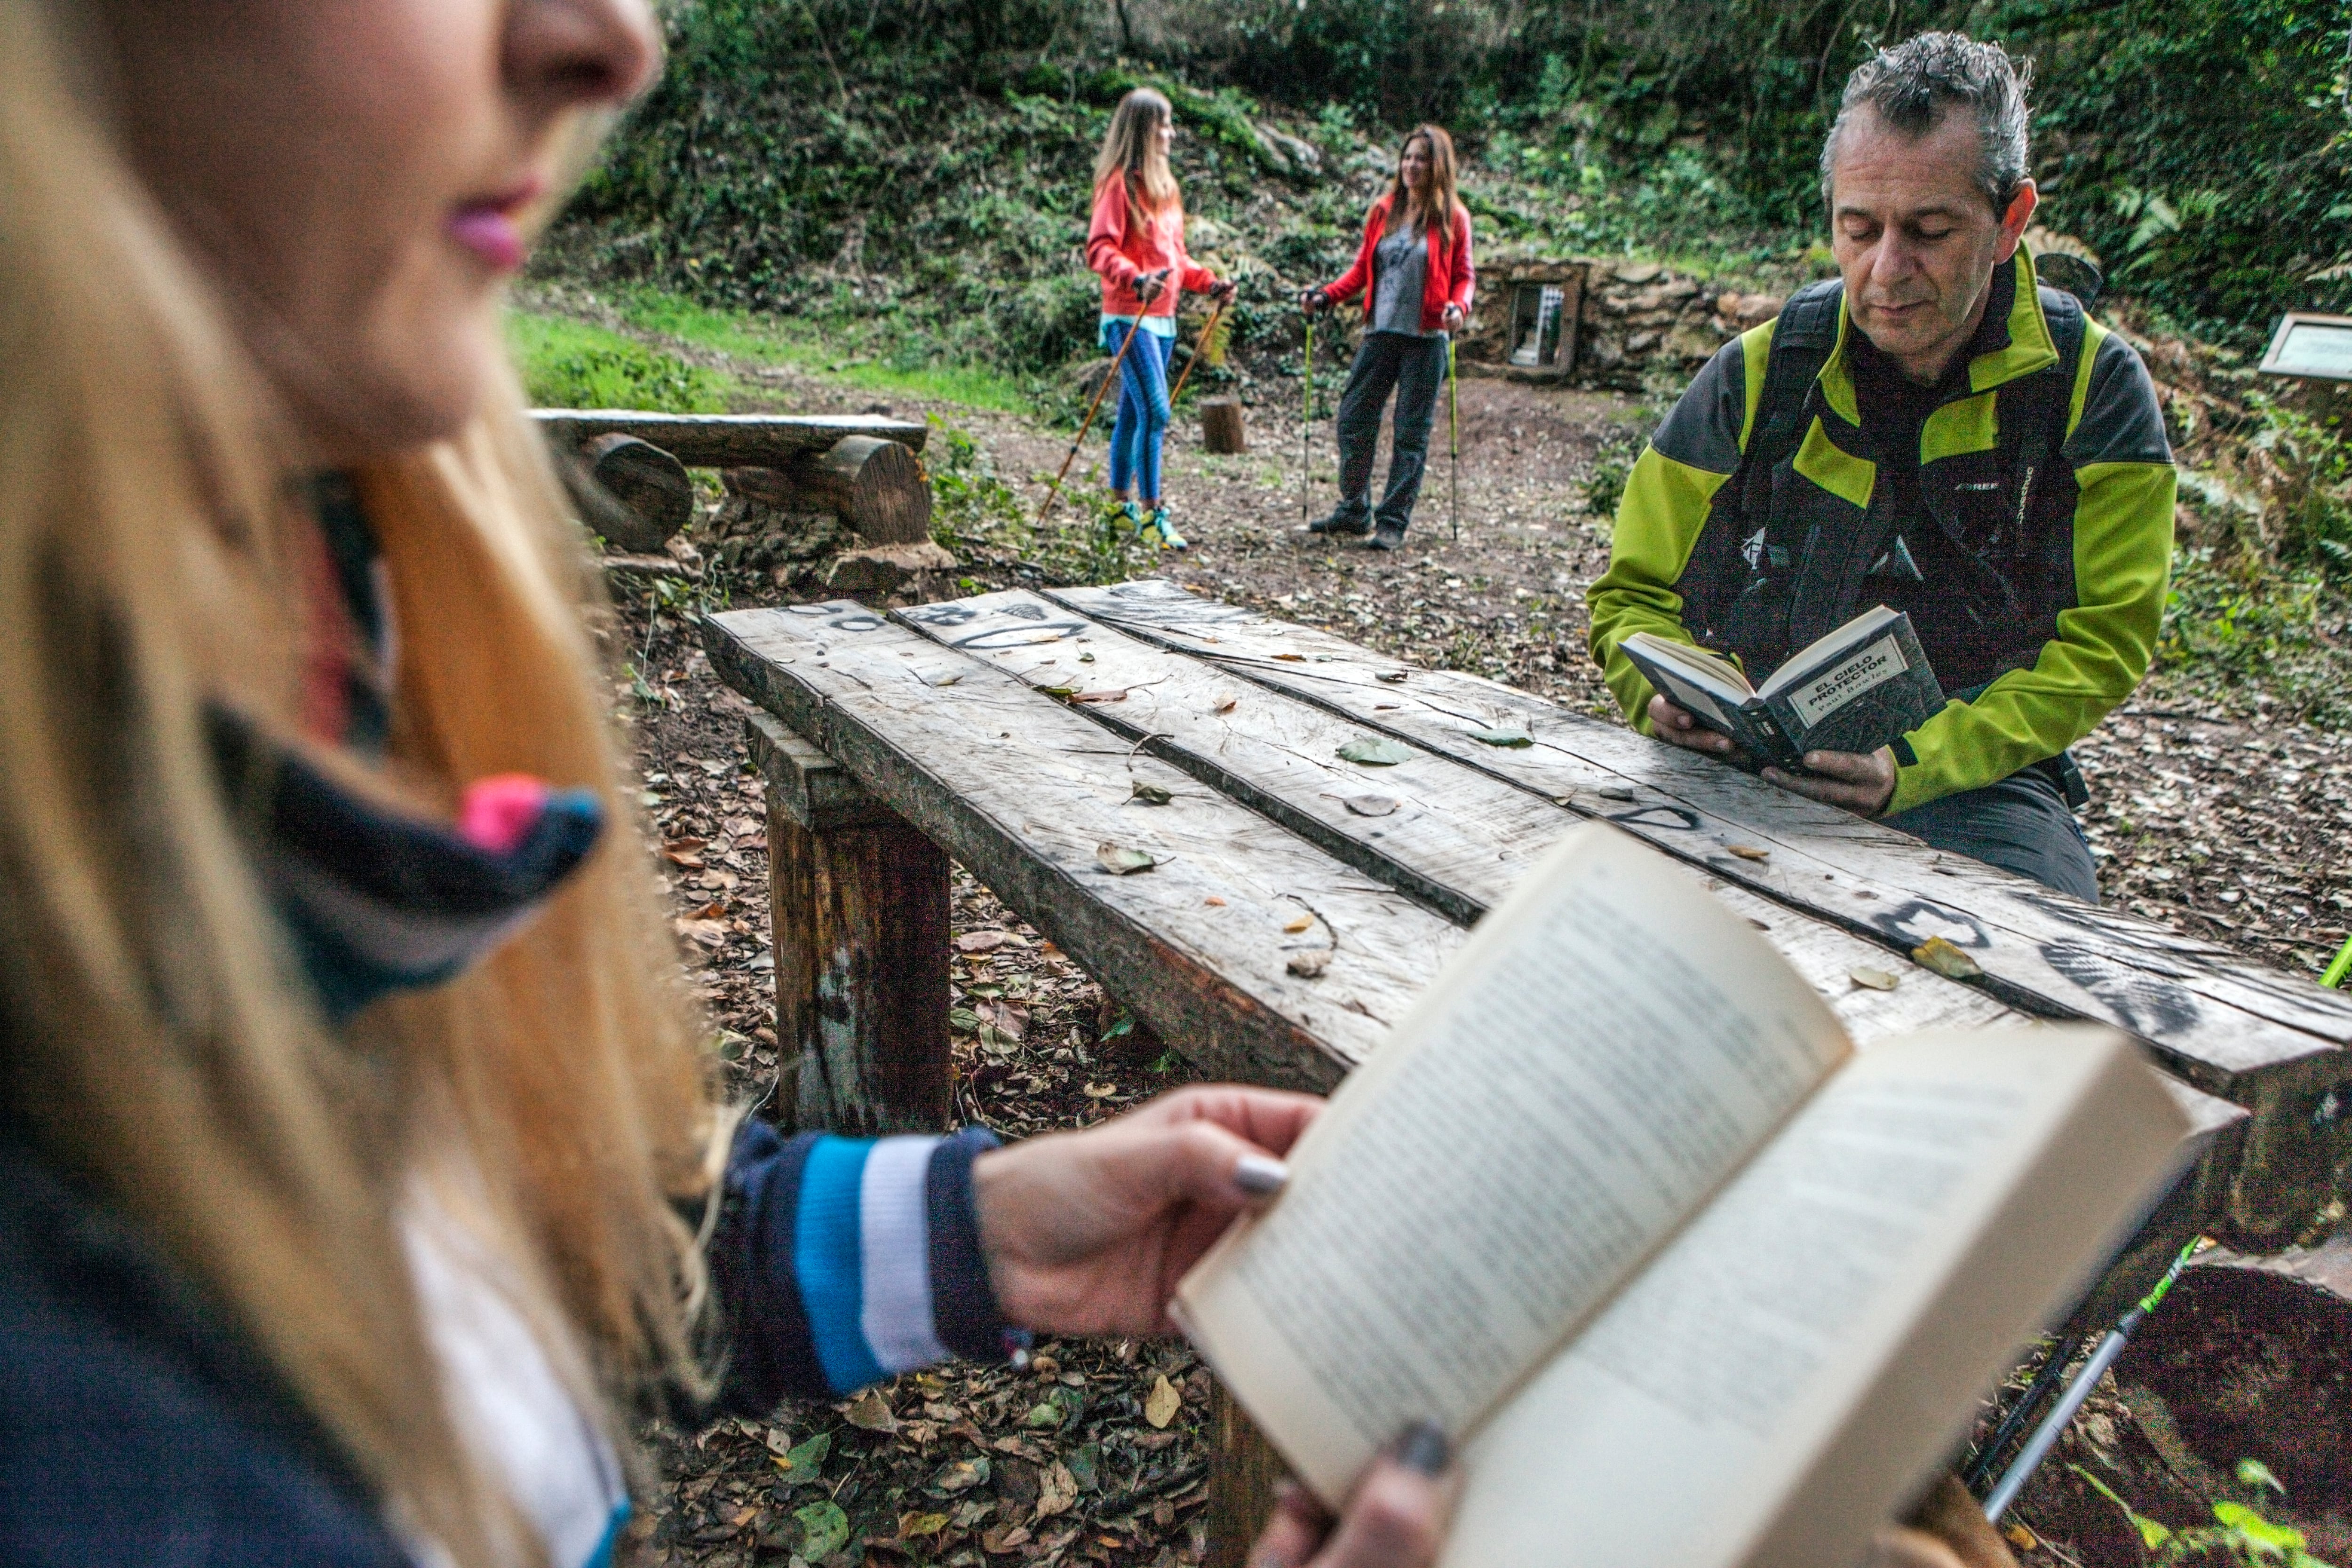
(1931,431)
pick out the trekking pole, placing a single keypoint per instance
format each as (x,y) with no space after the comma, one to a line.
(1454,437)
(2045,1436)
(1199,344)
(1087,424)
(1306,418)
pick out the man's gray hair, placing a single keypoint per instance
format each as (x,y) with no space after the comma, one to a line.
(1913,84)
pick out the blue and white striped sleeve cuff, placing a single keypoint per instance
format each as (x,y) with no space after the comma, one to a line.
(887,1250)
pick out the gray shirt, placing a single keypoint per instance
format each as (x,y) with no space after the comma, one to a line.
(1399,277)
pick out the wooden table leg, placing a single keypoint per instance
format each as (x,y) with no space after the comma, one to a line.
(858,903)
(1242,1476)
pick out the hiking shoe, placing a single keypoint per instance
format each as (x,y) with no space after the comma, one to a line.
(1388,536)
(1341,523)
(1157,530)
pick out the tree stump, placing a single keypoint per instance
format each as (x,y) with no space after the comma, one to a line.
(655,498)
(1221,426)
(858,906)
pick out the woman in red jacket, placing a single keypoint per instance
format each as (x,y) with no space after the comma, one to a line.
(1413,269)
(1137,243)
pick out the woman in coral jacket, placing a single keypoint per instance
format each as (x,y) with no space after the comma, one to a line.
(1136,243)
(1414,271)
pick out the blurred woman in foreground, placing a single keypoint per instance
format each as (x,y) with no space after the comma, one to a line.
(360,1176)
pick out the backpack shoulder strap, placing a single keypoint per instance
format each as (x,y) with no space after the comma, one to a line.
(1802,341)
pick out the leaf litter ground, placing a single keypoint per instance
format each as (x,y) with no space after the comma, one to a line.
(2239,831)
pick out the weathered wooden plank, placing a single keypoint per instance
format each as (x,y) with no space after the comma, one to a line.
(2254,1037)
(1022,791)
(858,908)
(1449,836)
(725,440)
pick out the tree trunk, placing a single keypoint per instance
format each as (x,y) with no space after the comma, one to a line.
(1221,426)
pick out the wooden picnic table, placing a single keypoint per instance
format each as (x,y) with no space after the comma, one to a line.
(1299,902)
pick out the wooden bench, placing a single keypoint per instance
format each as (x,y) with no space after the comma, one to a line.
(863,467)
(992,729)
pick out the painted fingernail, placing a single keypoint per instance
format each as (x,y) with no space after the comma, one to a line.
(1260,1175)
(1423,1449)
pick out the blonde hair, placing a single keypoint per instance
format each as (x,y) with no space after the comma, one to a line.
(1131,151)
(155,1045)
(1435,206)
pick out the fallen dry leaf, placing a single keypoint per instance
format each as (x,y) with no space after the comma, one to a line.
(981,941)
(1310,965)
(1393,677)
(1291,658)
(1117,695)
(1056,1490)
(1875,979)
(1223,705)
(1748,852)
(1300,924)
(1120,861)
(1376,751)
(1150,794)
(1160,1406)
(1615,791)
(871,1412)
(1214,902)
(1945,960)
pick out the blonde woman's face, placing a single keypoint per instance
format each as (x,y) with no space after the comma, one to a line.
(1166,135)
(360,176)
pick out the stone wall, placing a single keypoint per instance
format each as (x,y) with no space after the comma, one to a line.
(1639,316)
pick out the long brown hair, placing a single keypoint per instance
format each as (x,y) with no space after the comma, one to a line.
(152,1041)
(1131,151)
(1435,206)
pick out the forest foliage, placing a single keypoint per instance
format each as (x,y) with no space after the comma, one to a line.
(913,174)
(2203,148)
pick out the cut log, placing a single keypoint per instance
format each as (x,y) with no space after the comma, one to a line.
(726,440)
(655,498)
(1221,426)
(877,487)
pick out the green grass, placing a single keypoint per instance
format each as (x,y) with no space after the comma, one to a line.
(852,353)
(573,364)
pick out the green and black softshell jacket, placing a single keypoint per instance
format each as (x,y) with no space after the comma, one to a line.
(2028,538)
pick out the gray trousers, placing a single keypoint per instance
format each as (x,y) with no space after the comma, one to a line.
(2020,824)
(1414,369)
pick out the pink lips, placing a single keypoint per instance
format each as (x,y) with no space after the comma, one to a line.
(489,228)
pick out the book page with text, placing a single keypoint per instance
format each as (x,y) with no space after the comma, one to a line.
(1769,1388)
(1606,1050)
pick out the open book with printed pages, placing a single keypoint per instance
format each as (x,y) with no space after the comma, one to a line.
(1856,689)
(1693,1280)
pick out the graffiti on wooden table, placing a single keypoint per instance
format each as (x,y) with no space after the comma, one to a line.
(2147,1004)
(1678,819)
(1914,922)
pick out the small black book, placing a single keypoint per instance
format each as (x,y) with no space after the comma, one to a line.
(1856,689)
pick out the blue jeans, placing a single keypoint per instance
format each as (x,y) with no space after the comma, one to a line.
(2020,824)
(1143,412)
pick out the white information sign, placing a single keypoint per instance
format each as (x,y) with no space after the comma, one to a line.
(2316,347)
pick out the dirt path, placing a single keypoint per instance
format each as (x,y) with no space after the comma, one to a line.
(2244,834)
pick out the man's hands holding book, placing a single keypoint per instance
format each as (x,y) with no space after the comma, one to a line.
(1861,783)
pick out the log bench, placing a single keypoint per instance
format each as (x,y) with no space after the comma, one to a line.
(863,467)
(1298,902)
